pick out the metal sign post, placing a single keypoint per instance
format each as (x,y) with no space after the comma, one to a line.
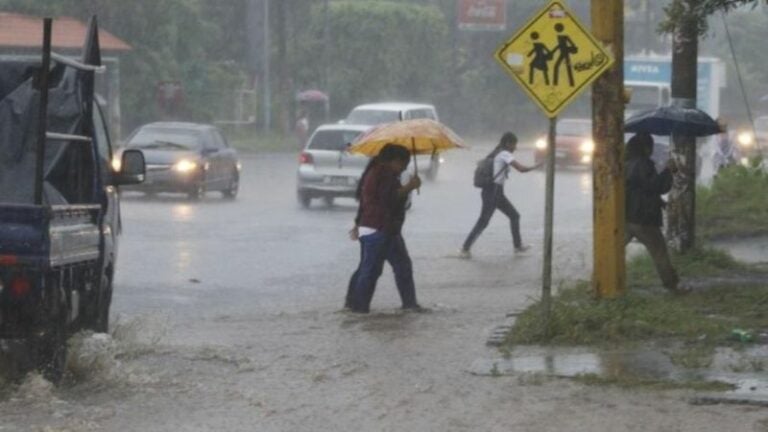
(554,59)
(549,213)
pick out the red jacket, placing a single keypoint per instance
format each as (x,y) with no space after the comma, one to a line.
(380,205)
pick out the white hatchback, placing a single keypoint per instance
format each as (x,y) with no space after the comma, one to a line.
(388,112)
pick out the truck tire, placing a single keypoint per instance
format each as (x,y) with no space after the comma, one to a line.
(50,348)
(51,353)
(95,307)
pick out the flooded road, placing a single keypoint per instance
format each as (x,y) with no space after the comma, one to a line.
(226,318)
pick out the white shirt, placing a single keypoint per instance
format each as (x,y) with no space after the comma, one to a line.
(502,162)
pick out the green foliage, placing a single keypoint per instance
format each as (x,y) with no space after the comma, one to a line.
(192,41)
(695,12)
(700,262)
(578,318)
(381,50)
(735,205)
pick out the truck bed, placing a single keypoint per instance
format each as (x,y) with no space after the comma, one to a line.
(49,236)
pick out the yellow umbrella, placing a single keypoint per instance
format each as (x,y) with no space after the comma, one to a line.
(422,136)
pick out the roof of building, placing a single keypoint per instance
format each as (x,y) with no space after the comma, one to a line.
(26,31)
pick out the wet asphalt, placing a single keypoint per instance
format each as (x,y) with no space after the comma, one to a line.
(226,317)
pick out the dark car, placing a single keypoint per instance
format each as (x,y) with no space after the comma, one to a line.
(573,143)
(186,158)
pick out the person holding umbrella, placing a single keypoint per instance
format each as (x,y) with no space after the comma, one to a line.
(378,228)
(493,195)
(644,187)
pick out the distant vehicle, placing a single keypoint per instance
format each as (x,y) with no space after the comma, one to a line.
(388,112)
(186,158)
(59,207)
(326,170)
(750,141)
(380,113)
(573,143)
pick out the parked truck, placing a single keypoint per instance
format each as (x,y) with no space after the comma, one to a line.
(59,202)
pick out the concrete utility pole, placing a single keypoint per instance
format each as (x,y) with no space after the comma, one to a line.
(609,278)
(681,220)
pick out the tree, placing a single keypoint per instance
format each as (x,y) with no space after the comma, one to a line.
(687,21)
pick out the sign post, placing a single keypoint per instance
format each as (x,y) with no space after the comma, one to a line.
(554,59)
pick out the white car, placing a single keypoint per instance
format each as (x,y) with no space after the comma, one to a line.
(327,170)
(381,113)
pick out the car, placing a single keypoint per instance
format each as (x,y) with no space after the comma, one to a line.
(380,113)
(752,141)
(326,170)
(573,143)
(187,158)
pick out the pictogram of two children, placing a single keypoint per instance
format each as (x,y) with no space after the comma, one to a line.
(543,55)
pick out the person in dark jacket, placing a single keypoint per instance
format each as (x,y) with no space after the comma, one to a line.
(644,187)
(378,227)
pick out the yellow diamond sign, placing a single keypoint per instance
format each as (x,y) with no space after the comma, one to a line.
(554,58)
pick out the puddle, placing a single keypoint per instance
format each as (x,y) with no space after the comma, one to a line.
(753,250)
(743,369)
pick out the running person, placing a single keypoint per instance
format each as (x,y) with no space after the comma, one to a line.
(493,195)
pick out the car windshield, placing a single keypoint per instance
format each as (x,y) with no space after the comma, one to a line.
(575,128)
(335,140)
(167,138)
(372,117)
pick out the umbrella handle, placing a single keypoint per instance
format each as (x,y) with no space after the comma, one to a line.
(415,165)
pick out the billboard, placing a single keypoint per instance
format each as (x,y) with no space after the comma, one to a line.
(481,14)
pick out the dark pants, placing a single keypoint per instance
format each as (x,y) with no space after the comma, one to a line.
(653,240)
(493,199)
(375,249)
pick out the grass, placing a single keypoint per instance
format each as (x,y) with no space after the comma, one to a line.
(735,205)
(699,320)
(702,262)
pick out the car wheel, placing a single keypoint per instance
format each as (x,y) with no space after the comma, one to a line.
(197,192)
(328,201)
(304,199)
(234,185)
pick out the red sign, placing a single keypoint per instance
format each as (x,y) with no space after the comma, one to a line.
(482,14)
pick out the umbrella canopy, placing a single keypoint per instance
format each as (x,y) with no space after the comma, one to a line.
(422,136)
(312,96)
(673,120)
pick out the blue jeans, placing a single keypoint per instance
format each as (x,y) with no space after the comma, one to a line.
(375,249)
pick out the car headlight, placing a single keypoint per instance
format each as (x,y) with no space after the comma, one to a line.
(587,147)
(185,166)
(541,144)
(745,139)
(117,164)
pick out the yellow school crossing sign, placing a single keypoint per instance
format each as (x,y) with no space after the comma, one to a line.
(554,58)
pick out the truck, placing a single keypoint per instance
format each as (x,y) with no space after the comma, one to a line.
(649,77)
(59,202)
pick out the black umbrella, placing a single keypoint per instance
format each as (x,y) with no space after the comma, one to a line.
(673,120)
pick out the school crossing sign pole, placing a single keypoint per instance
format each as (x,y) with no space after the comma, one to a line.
(554,59)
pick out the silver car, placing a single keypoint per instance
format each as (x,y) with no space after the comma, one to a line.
(326,169)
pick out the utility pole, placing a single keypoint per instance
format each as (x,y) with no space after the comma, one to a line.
(266,79)
(609,278)
(681,221)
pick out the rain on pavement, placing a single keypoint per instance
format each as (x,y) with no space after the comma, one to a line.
(227,316)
